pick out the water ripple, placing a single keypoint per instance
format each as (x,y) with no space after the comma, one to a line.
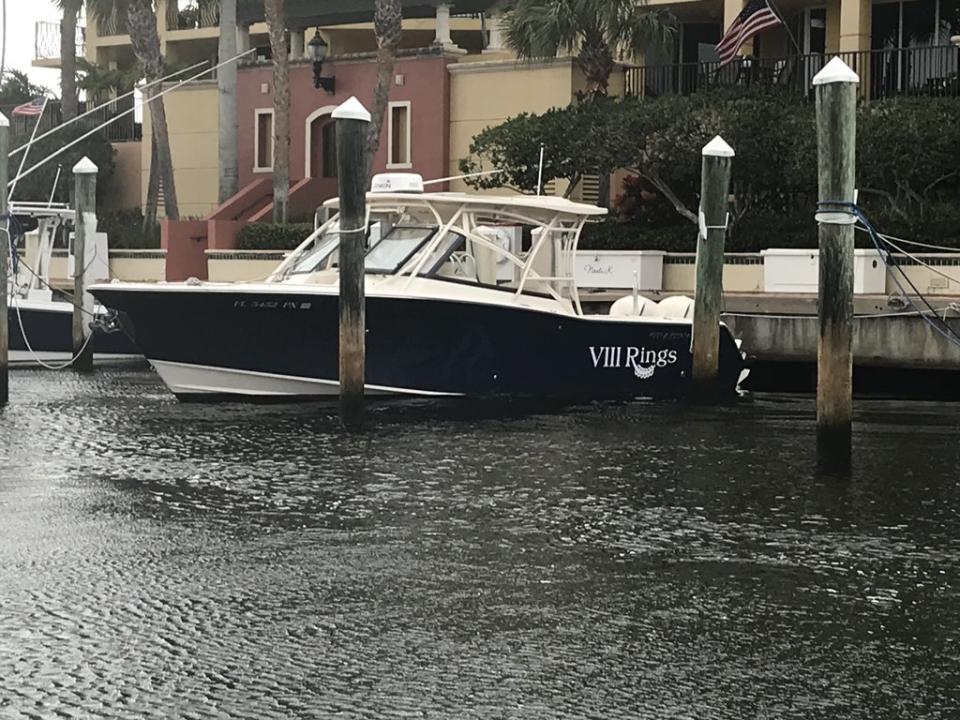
(490,561)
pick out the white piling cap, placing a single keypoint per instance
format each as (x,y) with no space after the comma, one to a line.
(717,148)
(352,109)
(4,121)
(84,166)
(835,71)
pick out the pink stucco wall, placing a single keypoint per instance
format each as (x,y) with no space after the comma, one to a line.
(426,85)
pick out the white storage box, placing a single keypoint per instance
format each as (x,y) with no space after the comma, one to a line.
(797,271)
(614,269)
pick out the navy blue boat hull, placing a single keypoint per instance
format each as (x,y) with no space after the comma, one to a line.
(50,330)
(418,346)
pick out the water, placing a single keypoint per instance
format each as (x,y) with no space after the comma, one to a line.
(650,560)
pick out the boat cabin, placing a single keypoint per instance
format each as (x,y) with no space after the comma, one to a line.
(521,244)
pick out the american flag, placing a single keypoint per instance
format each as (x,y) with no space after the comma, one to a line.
(30,109)
(754,18)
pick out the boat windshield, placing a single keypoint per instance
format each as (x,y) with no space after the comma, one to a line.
(395,248)
(315,256)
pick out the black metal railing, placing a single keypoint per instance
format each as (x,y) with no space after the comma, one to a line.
(922,71)
(122,129)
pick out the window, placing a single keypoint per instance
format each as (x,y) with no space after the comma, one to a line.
(398,136)
(396,248)
(263,141)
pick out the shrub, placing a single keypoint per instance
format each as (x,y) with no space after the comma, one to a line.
(907,151)
(760,231)
(125,230)
(273,236)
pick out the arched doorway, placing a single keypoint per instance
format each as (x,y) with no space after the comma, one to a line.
(321,144)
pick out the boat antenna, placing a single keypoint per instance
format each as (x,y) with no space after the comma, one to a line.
(108,102)
(540,172)
(461,177)
(56,180)
(99,127)
(30,142)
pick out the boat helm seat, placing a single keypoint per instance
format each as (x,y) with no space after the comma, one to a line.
(460,264)
(624,308)
(678,307)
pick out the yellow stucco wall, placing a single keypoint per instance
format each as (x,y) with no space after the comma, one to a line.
(483,94)
(192,117)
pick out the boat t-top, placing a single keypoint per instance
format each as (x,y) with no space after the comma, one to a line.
(466,295)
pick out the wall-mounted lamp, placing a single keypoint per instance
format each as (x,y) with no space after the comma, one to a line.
(318,50)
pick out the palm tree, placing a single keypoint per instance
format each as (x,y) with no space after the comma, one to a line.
(598,31)
(387,26)
(142,22)
(68,57)
(227,96)
(142,26)
(276,24)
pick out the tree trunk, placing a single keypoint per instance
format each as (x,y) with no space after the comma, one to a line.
(153,190)
(227,95)
(387,26)
(276,23)
(68,59)
(146,46)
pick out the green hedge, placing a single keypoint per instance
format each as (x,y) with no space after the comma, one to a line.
(761,230)
(124,228)
(273,236)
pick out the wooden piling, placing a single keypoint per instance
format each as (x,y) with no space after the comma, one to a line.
(4,262)
(714,193)
(352,122)
(85,206)
(836,90)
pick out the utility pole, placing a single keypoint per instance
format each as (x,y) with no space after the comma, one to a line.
(352,122)
(714,193)
(4,262)
(85,214)
(836,90)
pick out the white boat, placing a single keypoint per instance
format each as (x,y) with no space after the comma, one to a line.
(460,301)
(41,319)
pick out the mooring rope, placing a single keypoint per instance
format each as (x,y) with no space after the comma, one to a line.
(883,246)
(889,241)
(10,218)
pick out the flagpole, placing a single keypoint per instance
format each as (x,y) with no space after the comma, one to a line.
(99,127)
(23,160)
(776,11)
(108,102)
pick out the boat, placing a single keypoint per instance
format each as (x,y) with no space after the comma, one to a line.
(466,296)
(40,317)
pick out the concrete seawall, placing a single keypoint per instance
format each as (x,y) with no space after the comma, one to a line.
(878,340)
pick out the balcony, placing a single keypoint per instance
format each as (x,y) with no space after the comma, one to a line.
(46,43)
(192,14)
(923,71)
(124,129)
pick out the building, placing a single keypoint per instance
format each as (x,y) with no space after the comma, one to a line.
(453,78)
(896,46)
